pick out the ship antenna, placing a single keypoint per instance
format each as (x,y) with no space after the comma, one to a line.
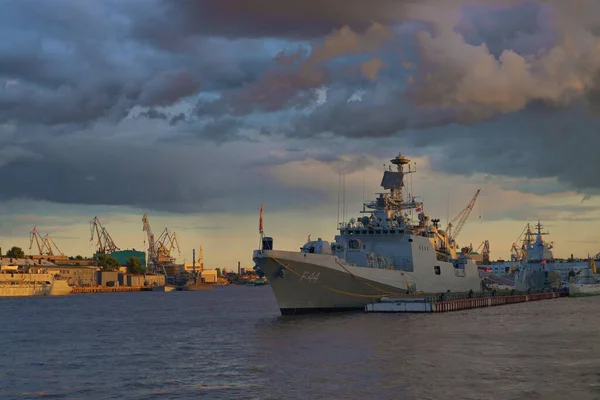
(412,192)
(344,197)
(448,208)
(338,203)
(363,187)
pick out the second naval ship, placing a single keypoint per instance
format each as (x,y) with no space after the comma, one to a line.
(533,265)
(380,254)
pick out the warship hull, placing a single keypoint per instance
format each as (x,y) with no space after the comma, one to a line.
(308,283)
(385,254)
(584,289)
(165,288)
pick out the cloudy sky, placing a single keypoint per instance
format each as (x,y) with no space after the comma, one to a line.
(196,112)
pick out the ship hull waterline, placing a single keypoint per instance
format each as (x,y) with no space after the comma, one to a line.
(309,287)
(580,290)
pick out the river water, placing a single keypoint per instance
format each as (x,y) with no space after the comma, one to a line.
(232,343)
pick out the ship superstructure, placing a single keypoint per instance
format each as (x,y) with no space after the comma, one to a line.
(18,281)
(379,254)
(533,264)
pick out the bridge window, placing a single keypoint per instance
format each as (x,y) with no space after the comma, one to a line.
(437,270)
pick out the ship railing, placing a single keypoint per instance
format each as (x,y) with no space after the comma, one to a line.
(448,296)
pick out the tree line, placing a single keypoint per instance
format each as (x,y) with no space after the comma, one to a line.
(109,263)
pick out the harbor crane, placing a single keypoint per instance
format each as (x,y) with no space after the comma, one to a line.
(519,253)
(167,241)
(44,244)
(104,243)
(456,225)
(152,254)
(34,235)
(160,249)
(485,253)
(48,243)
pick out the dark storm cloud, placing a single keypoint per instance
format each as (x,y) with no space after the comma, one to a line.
(535,143)
(428,72)
(63,62)
(170,177)
(537,51)
(292,82)
(174,21)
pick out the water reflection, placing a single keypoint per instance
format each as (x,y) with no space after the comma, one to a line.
(232,343)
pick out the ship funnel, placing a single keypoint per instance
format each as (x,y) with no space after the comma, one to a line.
(267,243)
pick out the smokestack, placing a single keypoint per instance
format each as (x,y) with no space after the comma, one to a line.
(239,269)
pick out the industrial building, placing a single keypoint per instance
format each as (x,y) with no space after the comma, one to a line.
(82,272)
(113,278)
(193,267)
(209,275)
(76,275)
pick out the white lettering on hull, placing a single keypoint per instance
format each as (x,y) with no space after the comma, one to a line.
(310,276)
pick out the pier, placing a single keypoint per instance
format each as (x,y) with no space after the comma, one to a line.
(109,289)
(429,304)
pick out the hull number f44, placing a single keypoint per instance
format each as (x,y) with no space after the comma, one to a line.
(310,276)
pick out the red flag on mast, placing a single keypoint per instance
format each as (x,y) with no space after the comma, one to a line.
(260,224)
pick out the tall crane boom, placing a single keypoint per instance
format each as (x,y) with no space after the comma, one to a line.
(104,243)
(461,218)
(152,253)
(44,244)
(486,252)
(519,253)
(48,244)
(165,244)
(35,236)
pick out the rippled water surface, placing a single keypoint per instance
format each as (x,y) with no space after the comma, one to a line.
(232,343)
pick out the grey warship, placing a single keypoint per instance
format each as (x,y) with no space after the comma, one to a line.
(381,254)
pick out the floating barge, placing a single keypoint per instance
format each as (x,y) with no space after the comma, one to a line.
(428,304)
(109,289)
